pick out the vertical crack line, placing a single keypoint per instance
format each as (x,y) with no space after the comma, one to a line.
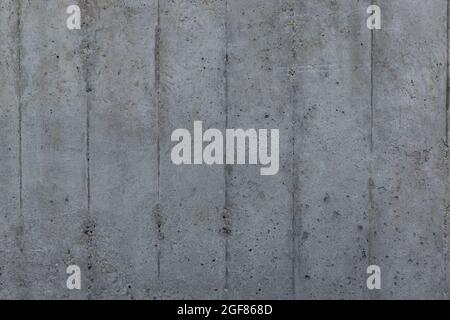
(88,137)
(19,98)
(226,212)
(447,75)
(158,93)
(157,77)
(88,158)
(294,167)
(87,61)
(19,92)
(294,193)
(446,161)
(370,184)
(371,91)
(294,197)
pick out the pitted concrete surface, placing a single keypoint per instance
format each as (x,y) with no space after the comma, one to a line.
(86,178)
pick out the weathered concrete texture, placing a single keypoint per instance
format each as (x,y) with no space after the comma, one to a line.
(86,177)
(122,127)
(53,147)
(409,136)
(11,226)
(259,208)
(332,146)
(191,198)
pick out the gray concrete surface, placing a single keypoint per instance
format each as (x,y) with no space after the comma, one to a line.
(86,177)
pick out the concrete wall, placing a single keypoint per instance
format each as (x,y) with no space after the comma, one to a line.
(86,176)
